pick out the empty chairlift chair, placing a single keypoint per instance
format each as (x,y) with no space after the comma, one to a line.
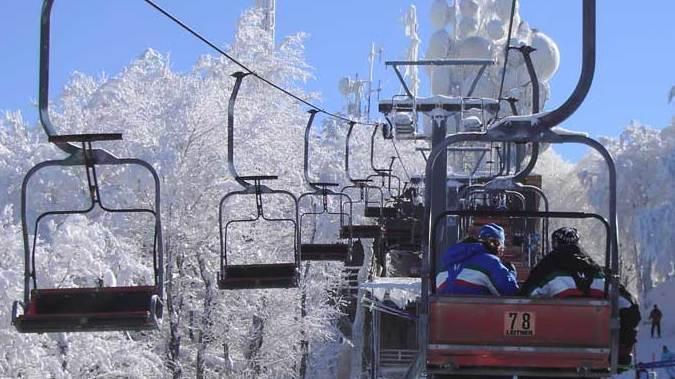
(263,275)
(388,181)
(88,309)
(339,251)
(365,187)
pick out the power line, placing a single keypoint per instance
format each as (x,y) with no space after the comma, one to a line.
(263,79)
(245,68)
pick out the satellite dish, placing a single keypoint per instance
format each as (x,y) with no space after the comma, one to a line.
(438,45)
(468,8)
(475,47)
(439,12)
(468,26)
(440,80)
(503,9)
(496,29)
(472,124)
(546,58)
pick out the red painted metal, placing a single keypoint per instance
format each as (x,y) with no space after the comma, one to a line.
(566,333)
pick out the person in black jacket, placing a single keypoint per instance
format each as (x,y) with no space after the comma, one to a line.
(567,272)
(655,317)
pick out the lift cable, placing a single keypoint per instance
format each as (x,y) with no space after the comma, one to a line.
(506,52)
(245,68)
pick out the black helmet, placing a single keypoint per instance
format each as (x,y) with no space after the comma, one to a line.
(565,236)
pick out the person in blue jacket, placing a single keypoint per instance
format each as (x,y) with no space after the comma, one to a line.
(474,268)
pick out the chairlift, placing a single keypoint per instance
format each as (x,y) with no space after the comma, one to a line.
(372,208)
(47,310)
(474,335)
(254,276)
(385,174)
(310,251)
(338,251)
(573,337)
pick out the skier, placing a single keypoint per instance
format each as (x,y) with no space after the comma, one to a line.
(579,275)
(655,316)
(474,267)
(567,271)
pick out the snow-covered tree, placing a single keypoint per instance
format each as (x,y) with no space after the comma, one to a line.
(177,122)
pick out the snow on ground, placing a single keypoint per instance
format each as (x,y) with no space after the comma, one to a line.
(649,349)
(400,290)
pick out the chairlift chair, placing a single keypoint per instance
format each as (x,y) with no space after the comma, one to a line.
(263,275)
(339,251)
(266,275)
(569,337)
(84,309)
(363,186)
(46,310)
(478,335)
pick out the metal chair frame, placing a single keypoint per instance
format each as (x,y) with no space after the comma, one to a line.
(93,319)
(250,276)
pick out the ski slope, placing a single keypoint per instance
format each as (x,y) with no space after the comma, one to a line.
(649,349)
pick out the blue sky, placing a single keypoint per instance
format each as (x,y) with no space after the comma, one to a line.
(635,68)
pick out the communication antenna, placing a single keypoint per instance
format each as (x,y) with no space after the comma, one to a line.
(270,8)
(371,62)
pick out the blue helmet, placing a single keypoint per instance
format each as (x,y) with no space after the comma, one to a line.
(492,231)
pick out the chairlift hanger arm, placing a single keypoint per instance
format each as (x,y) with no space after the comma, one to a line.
(526,52)
(239,77)
(347,139)
(43,96)
(372,151)
(577,97)
(63,142)
(547,120)
(310,122)
(534,157)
